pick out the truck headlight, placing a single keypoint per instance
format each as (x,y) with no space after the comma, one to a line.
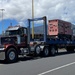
(2,48)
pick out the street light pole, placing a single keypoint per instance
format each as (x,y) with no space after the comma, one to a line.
(2,21)
(32,18)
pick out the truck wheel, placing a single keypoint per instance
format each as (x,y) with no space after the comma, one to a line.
(11,55)
(53,51)
(46,52)
(37,50)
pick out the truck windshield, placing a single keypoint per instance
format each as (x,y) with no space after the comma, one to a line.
(15,32)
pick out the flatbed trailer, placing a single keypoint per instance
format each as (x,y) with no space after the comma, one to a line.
(49,46)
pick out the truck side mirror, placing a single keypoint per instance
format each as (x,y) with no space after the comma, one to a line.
(18,39)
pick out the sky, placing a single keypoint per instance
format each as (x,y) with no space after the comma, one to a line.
(18,11)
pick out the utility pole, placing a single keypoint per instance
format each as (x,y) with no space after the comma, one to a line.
(32,18)
(2,21)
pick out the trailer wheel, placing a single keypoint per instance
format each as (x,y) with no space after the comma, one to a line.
(37,50)
(11,55)
(53,51)
(46,52)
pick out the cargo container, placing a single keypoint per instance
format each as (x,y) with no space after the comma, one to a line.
(58,28)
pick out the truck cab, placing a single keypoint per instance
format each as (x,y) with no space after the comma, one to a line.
(18,32)
(13,43)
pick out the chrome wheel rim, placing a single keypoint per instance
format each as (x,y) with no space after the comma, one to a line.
(46,51)
(53,51)
(38,50)
(12,55)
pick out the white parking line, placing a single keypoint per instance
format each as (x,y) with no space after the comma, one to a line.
(56,68)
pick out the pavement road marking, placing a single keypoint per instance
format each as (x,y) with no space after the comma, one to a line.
(57,68)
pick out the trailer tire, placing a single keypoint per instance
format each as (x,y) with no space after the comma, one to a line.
(53,51)
(11,55)
(46,52)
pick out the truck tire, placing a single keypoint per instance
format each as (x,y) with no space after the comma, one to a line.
(37,50)
(53,51)
(11,55)
(46,52)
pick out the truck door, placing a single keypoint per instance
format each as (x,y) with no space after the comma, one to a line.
(23,37)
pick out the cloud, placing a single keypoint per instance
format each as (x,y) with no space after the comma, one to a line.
(21,10)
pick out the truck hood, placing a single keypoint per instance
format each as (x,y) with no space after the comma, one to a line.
(8,40)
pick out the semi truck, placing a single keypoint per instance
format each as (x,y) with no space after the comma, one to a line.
(17,41)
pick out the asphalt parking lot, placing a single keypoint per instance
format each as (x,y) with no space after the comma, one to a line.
(61,64)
